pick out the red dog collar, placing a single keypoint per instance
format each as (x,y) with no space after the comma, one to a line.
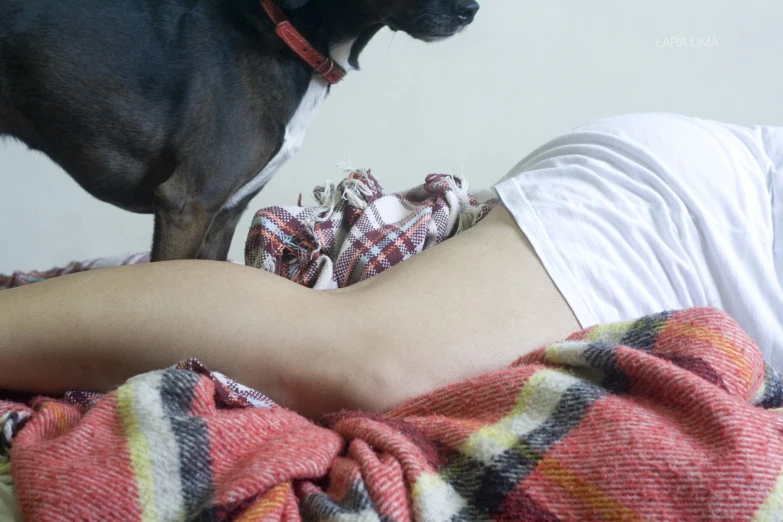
(322,65)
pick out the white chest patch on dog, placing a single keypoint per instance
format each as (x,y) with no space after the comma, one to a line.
(292,141)
(295,130)
(341,53)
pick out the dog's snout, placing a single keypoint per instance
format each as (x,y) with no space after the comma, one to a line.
(466,10)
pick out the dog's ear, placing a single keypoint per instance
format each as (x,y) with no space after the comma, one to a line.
(291,4)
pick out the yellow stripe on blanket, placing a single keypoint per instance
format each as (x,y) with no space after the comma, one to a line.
(139,453)
(537,399)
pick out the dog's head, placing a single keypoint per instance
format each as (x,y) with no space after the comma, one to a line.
(426,20)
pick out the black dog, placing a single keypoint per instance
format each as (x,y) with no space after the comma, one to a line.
(185,108)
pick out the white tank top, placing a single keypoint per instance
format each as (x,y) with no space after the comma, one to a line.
(639,214)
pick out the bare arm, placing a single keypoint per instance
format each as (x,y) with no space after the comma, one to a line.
(472,304)
(94,330)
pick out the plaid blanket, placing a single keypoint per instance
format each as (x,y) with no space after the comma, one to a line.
(358,231)
(26,278)
(355,231)
(671,417)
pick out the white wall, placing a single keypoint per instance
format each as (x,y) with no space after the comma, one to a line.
(526,70)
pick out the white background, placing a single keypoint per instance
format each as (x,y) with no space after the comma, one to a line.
(476,104)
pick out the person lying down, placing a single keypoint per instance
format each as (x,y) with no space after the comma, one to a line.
(618,219)
(657,215)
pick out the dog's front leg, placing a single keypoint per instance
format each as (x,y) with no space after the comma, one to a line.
(181,221)
(179,234)
(221,232)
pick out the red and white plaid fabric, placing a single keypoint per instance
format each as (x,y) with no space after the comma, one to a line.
(357,230)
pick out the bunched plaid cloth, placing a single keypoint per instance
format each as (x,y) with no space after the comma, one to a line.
(357,231)
(669,418)
(25,278)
